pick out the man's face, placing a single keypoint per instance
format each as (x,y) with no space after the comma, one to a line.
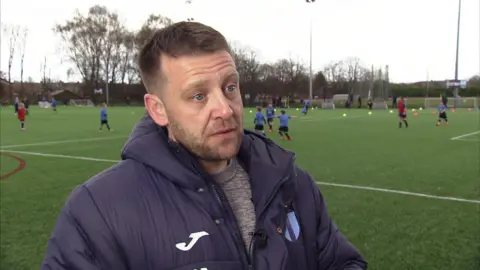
(202,105)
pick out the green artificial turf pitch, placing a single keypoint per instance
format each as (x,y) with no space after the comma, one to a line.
(391,229)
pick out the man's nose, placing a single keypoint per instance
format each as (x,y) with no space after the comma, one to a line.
(221,107)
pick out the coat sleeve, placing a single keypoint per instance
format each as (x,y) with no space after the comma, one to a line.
(81,238)
(334,250)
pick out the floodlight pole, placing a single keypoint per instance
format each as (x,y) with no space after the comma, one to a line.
(188,2)
(458,42)
(107,95)
(310,83)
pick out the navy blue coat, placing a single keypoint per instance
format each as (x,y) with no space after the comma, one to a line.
(157,210)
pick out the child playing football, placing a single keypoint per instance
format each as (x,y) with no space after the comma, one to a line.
(259,121)
(442,114)
(104,117)
(402,113)
(21,115)
(270,112)
(54,105)
(283,129)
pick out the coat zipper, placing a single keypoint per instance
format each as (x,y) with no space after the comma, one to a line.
(251,251)
(236,230)
(220,196)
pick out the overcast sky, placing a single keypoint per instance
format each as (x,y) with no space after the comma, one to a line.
(411,36)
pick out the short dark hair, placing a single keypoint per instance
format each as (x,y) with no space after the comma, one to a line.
(176,40)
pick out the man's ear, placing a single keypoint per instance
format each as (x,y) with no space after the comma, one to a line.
(156,109)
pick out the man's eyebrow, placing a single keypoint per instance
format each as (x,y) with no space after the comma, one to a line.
(196,84)
(233,75)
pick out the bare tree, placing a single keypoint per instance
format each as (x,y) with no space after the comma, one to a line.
(22,46)
(92,42)
(153,23)
(46,81)
(11,33)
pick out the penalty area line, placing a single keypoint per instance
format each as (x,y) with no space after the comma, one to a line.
(59,156)
(464,135)
(401,192)
(60,142)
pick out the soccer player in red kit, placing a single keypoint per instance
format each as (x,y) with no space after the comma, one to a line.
(21,116)
(402,113)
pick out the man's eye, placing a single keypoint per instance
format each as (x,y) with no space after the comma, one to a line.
(231,88)
(198,97)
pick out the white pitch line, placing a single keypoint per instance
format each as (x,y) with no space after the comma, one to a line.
(59,156)
(329,119)
(465,135)
(400,192)
(318,182)
(60,142)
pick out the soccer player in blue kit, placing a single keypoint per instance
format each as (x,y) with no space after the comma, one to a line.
(442,114)
(270,112)
(259,120)
(54,105)
(283,129)
(104,117)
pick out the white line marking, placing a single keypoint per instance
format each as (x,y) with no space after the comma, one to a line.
(59,142)
(468,140)
(465,135)
(400,192)
(318,182)
(59,156)
(334,118)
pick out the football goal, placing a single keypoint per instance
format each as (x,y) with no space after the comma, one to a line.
(380,104)
(81,103)
(460,102)
(329,104)
(44,104)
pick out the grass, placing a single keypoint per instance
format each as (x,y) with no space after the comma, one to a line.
(393,231)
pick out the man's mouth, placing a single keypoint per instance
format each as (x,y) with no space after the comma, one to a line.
(223,131)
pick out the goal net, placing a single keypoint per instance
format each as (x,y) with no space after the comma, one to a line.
(380,104)
(329,104)
(460,102)
(44,104)
(81,103)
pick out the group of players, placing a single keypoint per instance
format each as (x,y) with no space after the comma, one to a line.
(260,121)
(402,113)
(21,111)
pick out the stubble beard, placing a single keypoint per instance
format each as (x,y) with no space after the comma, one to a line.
(200,148)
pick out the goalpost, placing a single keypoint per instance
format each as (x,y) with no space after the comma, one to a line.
(460,102)
(81,103)
(44,104)
(328,104)
(380,104)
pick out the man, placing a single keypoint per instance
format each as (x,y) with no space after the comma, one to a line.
(194,190)
(394,101)
(26,102)
(402,113)
(444,99)
(16,104)
(370,104)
